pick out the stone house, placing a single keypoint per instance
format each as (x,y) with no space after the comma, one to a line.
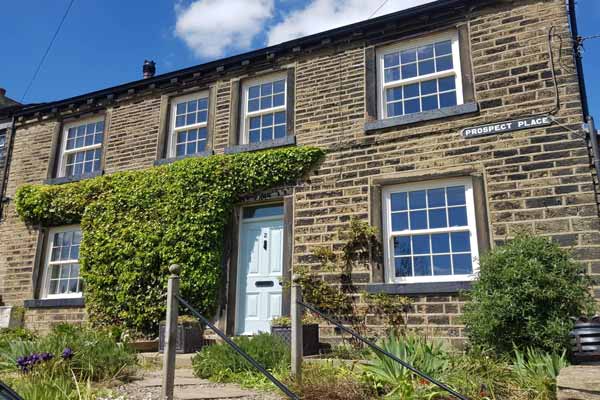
(449,127)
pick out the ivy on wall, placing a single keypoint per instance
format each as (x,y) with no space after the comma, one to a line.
(135,224)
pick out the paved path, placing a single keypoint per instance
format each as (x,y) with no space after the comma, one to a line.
(188,387)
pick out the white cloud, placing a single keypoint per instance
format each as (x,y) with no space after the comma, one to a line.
(213,28)
(321,15)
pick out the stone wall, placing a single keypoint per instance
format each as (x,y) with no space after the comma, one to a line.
(536,179)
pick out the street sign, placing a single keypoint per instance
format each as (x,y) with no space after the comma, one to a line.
(507,126)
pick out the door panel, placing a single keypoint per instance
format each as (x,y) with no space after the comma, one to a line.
(259,279)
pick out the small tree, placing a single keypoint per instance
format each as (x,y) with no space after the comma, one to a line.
(527,292)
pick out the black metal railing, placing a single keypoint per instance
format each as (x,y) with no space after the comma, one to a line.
(375,347)
(238,350)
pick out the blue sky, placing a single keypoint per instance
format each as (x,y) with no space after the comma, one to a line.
(104,43)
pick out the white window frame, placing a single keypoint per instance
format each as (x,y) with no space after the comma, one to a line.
(48,264)
(64,153)
(409,44)
(246,115)
(174,130)
(388,246)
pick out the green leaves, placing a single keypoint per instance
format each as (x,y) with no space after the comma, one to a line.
(135,224)
(527,291)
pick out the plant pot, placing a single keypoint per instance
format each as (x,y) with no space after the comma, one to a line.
(310,337)
(585,341)
(145,346)
(189,338)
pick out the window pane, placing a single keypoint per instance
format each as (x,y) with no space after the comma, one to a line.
(254,122)
(399,201)
(253,92)
(267,134)
(267,120)
(442,48)
(278,100)
(390,60)
(442,265)
(192,135)
(443,63)
(408,56)
(253,105)
(417,199)
(409,71)
(448,99)
(422,266)
(266,89)
(457,216)
(403,266)
(463,264)
(280,117)
(190,119)
(411,90)
(279,131)
(266,102)
(180,150)
(456,195)
(62,286)
(420,244)
(418,220)
(254,136)
(202,116)
(446,84)
(430,103)
(192,106)
(180,121)
(279,86)
(180,108)
(394,94)
(399,221)
(425,52)
(440,243)
(436,197)
(437,218)
(270,210)
(426,67)
(402,246)
(428,87)
(460,242)
(394,109)
(392,74)
(412,106)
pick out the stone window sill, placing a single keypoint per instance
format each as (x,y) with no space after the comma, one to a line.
(269,144)
(69,179)
(420,288)
(409,119)
(76,302)
(164,161)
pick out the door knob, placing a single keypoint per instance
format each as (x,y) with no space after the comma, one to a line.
(265,244)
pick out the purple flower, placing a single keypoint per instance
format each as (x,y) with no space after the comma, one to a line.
(67,354)
(46,356)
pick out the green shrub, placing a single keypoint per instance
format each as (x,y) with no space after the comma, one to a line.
(220,362)
(526,294)
(137,223)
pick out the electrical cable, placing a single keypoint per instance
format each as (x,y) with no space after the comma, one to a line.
(377,9)
(37,70)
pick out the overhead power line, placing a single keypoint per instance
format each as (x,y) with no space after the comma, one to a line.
(37,70)
(377,9)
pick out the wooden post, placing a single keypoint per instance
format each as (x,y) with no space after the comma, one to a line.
(170,334)
(296,311)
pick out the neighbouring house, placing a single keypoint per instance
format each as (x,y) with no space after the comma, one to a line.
(449,126)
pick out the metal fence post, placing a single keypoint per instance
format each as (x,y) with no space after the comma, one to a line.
(296,315)
(168,383)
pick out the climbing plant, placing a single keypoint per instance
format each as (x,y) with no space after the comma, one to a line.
(343,299)
(135,224)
